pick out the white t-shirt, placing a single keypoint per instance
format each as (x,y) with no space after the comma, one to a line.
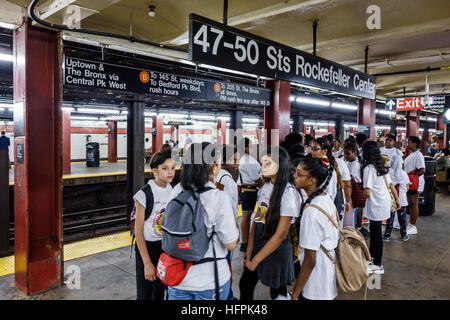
(290,202)
(389,152)
(230,187)
(345,174)
(378,205)
(339,153)
(315,230)
(250,169)
(161,196)
(354,168)
(402,189)
(219,213)
(416,161)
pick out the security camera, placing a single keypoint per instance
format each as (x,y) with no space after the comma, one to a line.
(152,13)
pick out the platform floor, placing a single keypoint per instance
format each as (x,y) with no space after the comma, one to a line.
(417,269)
(79,169)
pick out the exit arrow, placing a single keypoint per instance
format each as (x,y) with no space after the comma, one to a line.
(390,104)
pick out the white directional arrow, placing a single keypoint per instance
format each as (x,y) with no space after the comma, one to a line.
(391,104)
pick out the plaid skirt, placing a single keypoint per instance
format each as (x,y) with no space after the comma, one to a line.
(358,200)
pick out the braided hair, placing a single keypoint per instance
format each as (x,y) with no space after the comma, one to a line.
(315,168)
(351,146)
(324,143)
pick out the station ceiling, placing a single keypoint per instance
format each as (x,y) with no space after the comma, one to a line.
(414,34)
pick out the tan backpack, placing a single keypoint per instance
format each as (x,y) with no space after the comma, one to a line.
(352,257)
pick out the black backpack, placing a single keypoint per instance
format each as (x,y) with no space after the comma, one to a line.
(147,189)
(339,202)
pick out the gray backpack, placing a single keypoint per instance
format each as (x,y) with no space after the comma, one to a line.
(184,231)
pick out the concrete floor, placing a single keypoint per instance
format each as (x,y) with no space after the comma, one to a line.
(414,270)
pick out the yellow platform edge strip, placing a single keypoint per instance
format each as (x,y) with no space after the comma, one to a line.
(79,249)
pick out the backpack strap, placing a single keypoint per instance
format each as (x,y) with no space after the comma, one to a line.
(334,223)
(149,200)
(225,175)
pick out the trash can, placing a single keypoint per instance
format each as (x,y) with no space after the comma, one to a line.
(92,154)
(428,196)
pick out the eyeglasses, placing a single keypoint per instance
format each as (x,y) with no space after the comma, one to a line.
(298,174)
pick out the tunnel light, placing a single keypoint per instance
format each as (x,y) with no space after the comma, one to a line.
(93,110)
(313,101)
(344,106)
(6,57)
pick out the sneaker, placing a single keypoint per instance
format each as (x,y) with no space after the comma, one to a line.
(376,269)
(396,225)
(283,297)
(405,238)
(364,232)
(243,247)
(411,229)
(386,238)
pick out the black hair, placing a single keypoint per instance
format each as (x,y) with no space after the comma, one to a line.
(3,133)
(325,144)
(247,142)
(361,138)
(372,155)
(292,139)
(296,151)
(228,152)
(194,174)
(323,175)
(308,139)
(165,148)
(390,136)
(350,139)
(159,158)
(415,140)
(284,176)
(330,138)
(351,146)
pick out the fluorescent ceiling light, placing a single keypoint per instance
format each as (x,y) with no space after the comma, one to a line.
(432,119)
(93,110)
(291,98)
(114,118)
(7,25)
(83,118)
(6,105)
(68,109)
(203,117)
(124,112)
(223,118)
(2,109)
(313,101)
(390,113)
(149,114)
(174,115)
(382,127)
(344,106)
(250,120)
(6,57)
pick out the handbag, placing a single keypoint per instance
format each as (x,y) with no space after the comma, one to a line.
(414,178)
(171,271)
(393,202)
(358,200)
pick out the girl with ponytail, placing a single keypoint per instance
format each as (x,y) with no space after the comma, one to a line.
(269,252)
(317,277)
(340,179)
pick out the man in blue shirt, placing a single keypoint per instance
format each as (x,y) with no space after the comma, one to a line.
(4,144)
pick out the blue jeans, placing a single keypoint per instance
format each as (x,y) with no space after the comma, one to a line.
(178,294)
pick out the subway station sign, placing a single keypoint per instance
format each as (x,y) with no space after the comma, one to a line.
(219,45)
(100,75)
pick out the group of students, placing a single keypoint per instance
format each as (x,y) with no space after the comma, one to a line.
(283,231)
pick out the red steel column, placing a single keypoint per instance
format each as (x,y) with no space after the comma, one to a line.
(221,132)
(66,142)
(258,135)
(366,114)
(157,135)
(412,123)
(278,115)
(37,170)
(112,141)
(331,130)
(172,132)
(440,125)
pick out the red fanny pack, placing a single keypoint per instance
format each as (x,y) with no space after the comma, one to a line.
(171,271)
(414,178)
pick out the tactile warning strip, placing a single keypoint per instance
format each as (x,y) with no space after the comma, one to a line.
(79,249)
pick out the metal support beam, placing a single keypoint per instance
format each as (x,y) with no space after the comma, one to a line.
(314,37)
(366,58)
(277,116)
(225,12)
(4,202)
(112,141)
(135,150)
(235,124)
(66,126)
(366,115)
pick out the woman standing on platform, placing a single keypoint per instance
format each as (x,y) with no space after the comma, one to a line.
(148,231)
(317,277)
(376,182)
(269,256)
(415,168)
